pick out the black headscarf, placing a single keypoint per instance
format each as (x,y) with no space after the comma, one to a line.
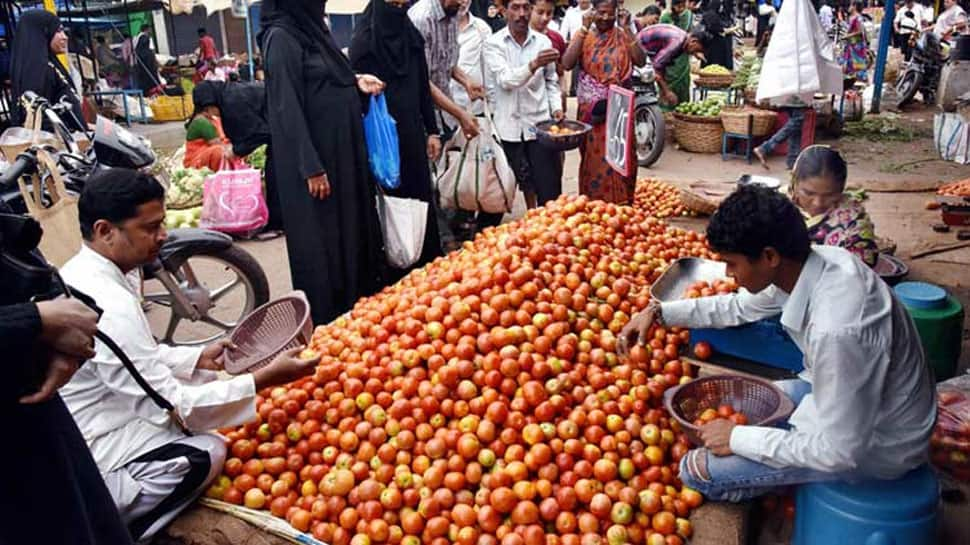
(386,32)
(303,19)
(31,58)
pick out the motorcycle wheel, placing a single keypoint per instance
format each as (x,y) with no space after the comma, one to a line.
(906,87)
(240,285)
(650,133)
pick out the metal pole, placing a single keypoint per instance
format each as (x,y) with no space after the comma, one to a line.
(885,32)
(249,45)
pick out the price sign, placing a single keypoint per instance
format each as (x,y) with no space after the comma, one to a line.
(619,130)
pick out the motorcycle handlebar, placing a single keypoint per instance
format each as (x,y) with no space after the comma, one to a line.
(26,162)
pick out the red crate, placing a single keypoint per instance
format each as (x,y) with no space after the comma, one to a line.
(808,130)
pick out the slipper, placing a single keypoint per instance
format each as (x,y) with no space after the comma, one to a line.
(761,158)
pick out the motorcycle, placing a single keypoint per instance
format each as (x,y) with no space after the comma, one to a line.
(198,272)
(648,119)
(922,72)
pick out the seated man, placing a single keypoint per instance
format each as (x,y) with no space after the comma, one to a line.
(152,469)
(866,402)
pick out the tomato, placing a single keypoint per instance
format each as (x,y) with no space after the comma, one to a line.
(702,350)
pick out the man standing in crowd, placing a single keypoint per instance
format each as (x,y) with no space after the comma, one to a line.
(572,22)
(472,33)
(524,86)
(542,16)
(208,55)
(826,16)
(151,467)
(906,23)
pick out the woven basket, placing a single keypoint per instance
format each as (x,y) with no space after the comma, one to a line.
(760,400)
(697,202)
(166,108)
(736,120)
(698,134)
(714,82)
(270,329)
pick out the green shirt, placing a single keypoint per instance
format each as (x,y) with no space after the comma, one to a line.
(685,21)
(201,128)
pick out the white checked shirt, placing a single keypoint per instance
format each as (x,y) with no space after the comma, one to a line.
(872,405)
(521,97)
(440,32)
(118,421)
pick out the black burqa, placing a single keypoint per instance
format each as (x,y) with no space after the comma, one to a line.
(54,493)
(387,45)
(315,120)
(146,69)
(34,67)
(718,49)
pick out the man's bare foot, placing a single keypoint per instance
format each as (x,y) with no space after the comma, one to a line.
(761,158)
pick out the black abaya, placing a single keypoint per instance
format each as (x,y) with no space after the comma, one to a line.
(408,95)
(315,120)
(718,49)
(146,71)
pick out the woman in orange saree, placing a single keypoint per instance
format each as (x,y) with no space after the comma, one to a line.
(606,55)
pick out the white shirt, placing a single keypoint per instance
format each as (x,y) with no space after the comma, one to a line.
(572,21)
(521,97)
(471,46)
(872,405)
(825,17)
(118,420)
(908,24)
(948,19)
(926,14)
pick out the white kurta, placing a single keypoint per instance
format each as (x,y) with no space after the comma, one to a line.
(872,405)
(117,419)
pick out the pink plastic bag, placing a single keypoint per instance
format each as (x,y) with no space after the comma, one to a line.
(233,201)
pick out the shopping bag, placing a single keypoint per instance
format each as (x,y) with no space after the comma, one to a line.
(475,174)
(58,216)
(403,223)
(383,153)
(951,134)
(233,201)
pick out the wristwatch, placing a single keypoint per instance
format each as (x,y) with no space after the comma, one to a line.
(657,309)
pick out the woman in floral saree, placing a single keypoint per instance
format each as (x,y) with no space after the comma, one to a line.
(606,54)
(834,218)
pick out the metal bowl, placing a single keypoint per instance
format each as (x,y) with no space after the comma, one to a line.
(561,142)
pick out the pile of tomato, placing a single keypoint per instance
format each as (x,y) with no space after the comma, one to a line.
(480,400)
(659,199)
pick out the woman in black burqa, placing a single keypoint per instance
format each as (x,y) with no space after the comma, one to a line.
(388,45)
(320,159)
(718,48)
(34,66)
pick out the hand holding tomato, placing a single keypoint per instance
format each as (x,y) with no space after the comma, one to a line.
(635,331)
(717,436)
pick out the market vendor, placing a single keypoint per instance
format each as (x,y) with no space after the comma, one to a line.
(206,145)
(865,401)
(152,468)
(663,44)
(834,218)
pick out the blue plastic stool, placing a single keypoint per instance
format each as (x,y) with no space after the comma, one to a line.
(874,512)
(746,140)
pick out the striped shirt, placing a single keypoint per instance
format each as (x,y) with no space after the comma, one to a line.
(663,44)
(440,32)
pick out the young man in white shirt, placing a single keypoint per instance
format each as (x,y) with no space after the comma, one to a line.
(865,401)
(520,66)
(152,469)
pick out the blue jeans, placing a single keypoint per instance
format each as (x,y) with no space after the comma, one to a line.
(791,131)
(735,478)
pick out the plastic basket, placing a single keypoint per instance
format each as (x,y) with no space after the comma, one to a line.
(698,134)
(279,325)
(735,120)
(166,108)
(761,401)
(562,142)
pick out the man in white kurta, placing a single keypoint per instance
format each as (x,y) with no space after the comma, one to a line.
(152,469)
(865,401)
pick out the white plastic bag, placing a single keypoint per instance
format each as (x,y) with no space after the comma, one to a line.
(403,223)
(951,134)
(800,59)
(475,175)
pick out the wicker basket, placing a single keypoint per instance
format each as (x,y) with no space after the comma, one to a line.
(697,202)
(735,120)
(721,81)
(166,108)
(760,400)
(698,134)
(270,329)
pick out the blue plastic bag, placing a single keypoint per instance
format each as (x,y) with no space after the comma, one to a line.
(383,154)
